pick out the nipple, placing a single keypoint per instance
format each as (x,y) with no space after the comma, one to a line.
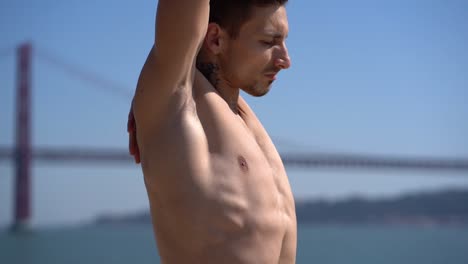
(243,163)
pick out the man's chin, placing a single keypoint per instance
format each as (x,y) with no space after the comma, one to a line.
(258,91)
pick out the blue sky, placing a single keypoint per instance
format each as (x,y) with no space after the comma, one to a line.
(373,77)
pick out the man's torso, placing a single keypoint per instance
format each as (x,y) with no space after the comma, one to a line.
(217,187)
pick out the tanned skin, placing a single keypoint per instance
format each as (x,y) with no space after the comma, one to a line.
(217,187)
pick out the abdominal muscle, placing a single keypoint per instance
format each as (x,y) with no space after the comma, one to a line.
(214,193)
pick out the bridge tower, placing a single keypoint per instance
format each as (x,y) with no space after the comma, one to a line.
(22,151)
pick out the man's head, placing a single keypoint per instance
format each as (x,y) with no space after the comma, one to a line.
(231,14)
(246,41)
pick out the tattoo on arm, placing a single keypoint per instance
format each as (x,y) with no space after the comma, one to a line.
(210,71)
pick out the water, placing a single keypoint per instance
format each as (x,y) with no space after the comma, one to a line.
(316,244)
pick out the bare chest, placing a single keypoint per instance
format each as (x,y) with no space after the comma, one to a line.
(248,174)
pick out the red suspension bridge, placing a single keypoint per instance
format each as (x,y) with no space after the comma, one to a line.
(22,153)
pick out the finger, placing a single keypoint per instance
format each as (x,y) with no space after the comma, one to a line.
(137,156)
(130,122)
(135,148)
(130,144)
(136,153)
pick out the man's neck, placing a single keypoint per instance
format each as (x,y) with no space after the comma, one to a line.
(214,75)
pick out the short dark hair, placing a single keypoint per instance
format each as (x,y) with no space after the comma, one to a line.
(232,14)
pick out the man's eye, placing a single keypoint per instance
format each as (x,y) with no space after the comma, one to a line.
(267,43)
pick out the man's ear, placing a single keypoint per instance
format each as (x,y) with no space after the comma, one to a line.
(215,38)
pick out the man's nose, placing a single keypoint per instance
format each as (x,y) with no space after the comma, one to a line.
(283,61)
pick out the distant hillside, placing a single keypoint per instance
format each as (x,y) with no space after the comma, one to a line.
(440,208)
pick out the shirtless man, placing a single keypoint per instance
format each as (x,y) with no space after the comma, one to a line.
(217,188)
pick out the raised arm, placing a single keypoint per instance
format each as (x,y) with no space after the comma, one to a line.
(169,69)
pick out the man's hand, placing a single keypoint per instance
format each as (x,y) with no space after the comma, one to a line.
(132,140)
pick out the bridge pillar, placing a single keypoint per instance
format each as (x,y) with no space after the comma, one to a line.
(22,152)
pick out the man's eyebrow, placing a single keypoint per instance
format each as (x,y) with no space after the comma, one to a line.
(275,35)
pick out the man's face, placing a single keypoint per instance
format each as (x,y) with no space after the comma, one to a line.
(252,60)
